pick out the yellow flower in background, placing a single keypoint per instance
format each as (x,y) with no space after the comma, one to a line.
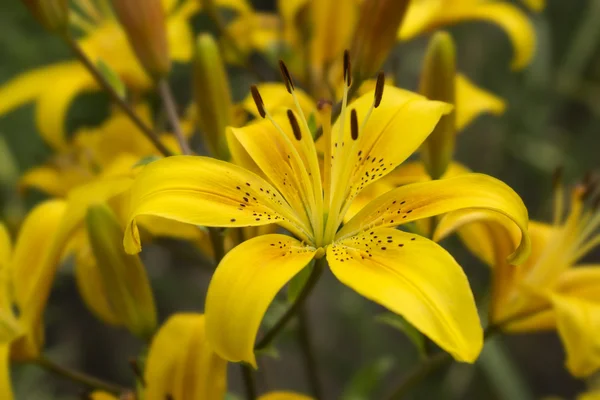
(26,275)
(315,34)
(552,289)
(54,87)
(181,365)
(398,270)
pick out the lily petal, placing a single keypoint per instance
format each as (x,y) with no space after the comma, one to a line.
(392,133)
(578,324)
(427,199)
(53,104)
(416,278)
(582,281)
(5,247)
(5,382)
(284,396)
(427,15)
(9,325)
(472,101)
(54,180)
(207,192)
(181,364)
(243,286)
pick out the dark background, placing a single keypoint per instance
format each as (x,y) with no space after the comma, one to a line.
(552,119)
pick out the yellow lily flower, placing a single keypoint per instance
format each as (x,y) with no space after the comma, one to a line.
(333,26)
(181,365)
(102,39)
(396,269)
(26,275)
(551,290)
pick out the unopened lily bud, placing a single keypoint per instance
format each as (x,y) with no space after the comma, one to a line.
(438,83)
(212,95)
(144,22)
(123,275)
(375,35)
(52,14)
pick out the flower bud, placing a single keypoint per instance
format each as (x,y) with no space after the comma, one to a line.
(212,95)
(144,22)
(123,275)
(438,83)
(375,35)
(52,14)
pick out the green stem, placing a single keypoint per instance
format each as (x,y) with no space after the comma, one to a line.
(126,108)
(171,108)
(266,340)
(308,354)
(79,377)
(248,378)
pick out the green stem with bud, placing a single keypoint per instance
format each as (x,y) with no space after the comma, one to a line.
(171,108)
(106,86)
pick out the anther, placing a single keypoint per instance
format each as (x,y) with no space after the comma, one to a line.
(260,105)
(379,89)
(354,124)
(294,124)
(287,78)
(347,68)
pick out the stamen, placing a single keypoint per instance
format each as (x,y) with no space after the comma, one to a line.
(347,69)
(354,124)
(260,105)
(294,124)
(379,89)
(287,78)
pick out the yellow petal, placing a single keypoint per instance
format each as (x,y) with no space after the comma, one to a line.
(5,382)
(180,37)
(535,5)
(578,326)
(9,325)
(243,286)
(427,15)
(416,278)
(181,364)
(591,395)
(54,180)
(97,395)
(582,281)
(206,192)
(53,104)
(283,161)
(471,101)
(394,131)
(427,199)
(29,264)
(284,396)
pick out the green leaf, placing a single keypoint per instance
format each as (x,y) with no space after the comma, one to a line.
(398,322)
(312,124)
(365,381)
(112,78)
(146,160)
(297,283)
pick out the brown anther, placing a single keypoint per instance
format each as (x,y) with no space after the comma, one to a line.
(347,68)
(260,105)
(379,88)
(354,124)
(287,78)
(294,124)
